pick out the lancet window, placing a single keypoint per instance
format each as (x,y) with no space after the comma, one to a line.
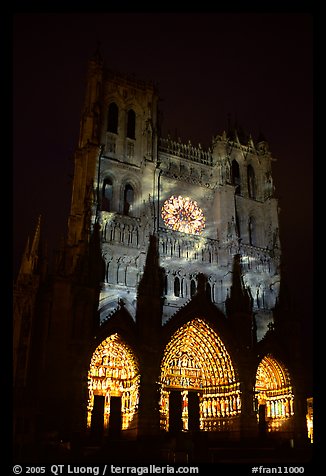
(113,115)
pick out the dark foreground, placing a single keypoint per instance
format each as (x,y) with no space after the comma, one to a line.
(257,456)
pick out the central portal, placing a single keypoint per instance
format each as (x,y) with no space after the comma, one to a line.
(199,389)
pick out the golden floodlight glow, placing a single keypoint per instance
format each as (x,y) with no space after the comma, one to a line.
(183,214)
(196,359)
(273,389)
(310,419)
(114,372)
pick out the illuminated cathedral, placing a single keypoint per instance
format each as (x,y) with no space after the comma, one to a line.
(164,311)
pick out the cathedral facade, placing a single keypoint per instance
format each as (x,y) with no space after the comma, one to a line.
(163,312)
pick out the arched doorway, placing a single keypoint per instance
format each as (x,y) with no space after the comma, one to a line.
(196,361)
(274,395)
(113,384)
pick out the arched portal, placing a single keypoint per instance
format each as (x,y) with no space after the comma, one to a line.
(196,360)
(274,394)
(114,372)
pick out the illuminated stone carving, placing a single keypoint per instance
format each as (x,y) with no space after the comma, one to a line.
(273,389)
(310,418)
(114,372)
(196,359)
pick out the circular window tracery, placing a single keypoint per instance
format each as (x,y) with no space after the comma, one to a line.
(183,214)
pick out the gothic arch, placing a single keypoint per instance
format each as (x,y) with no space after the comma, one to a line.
(131,184)
(193,287)
(235,176)
(114,372)
(114,116)
(273,391)
(128,199)
(177,286)
(107,194)
(115,97)
(138,112)
(195,359)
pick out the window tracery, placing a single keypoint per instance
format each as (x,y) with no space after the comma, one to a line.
(183,214)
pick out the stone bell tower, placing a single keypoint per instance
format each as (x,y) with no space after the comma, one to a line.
(114,179)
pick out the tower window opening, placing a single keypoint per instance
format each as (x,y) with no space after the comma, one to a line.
(107,193)
(192,287)
(113,115)
(177,286)
(128,199)
(235,176)
(131,124)
(251,182)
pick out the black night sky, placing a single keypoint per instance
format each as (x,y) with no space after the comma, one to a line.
(254,68)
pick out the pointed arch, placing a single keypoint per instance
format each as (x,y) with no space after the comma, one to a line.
(273,391)
(107,194)
(235,176)
(193,287)
(114,372)
(177,287)
(196,360)
(128,199)
(131,124)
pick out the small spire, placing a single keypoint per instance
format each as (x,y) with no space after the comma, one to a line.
(36,240)
(239,299)
(250,141)
(31,253)
(24,267)
(152,280)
